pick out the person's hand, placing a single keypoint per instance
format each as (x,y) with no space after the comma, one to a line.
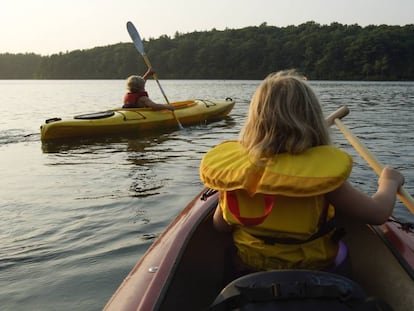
(391,174)
(150,72)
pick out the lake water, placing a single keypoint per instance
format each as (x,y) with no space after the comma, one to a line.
(76,217)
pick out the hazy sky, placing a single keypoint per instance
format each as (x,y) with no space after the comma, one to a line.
(52,26)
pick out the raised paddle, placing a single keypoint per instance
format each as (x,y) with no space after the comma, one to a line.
(359,146)
(133,33)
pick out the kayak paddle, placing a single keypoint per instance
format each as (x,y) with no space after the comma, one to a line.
(133,33)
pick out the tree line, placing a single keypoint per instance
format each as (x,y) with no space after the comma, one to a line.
(321,52)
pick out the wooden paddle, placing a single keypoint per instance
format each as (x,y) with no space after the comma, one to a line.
(403,195)
(338,114)
(133,33)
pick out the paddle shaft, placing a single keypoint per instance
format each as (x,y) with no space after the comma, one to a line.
(372,161)
(148,63)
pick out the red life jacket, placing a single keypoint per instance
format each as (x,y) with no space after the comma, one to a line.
(131,100)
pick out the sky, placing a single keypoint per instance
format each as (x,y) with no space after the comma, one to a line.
(48,27)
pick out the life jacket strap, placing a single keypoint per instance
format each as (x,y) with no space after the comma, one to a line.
(327,227)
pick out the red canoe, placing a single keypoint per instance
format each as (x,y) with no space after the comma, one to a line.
(183,269)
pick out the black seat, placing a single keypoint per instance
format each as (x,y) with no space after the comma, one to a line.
(294,290)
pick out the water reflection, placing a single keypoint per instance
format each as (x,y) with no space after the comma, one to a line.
(134,140)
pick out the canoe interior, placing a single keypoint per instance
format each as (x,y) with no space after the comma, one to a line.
(195,275)
(378,266)
(200,273)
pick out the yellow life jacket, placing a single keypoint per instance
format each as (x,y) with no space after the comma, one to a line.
(278,208)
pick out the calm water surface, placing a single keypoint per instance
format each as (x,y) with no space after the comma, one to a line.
(76,217)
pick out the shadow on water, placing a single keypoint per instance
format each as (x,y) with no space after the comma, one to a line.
(137,141)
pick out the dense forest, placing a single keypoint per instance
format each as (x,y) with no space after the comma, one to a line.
(321,52)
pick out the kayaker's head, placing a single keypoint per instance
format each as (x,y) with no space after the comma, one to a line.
(135,84)
(285,116)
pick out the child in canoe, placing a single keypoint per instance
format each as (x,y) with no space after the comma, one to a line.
(282,183)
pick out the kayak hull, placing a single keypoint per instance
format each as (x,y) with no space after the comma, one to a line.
(135,120)
(184,269)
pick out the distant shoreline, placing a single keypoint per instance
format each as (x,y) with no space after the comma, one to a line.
(332,52)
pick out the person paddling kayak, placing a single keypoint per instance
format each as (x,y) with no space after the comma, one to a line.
(137,96)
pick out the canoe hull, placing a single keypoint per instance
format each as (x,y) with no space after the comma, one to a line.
(184,267)
(136,120)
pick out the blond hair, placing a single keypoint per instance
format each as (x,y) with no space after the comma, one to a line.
(135,83)
(284,116)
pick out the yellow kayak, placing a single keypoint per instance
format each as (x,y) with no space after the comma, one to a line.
(128,120)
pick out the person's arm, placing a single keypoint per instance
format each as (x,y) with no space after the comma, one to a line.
(218,221)
(374,209)
(150,72)
(144,100)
